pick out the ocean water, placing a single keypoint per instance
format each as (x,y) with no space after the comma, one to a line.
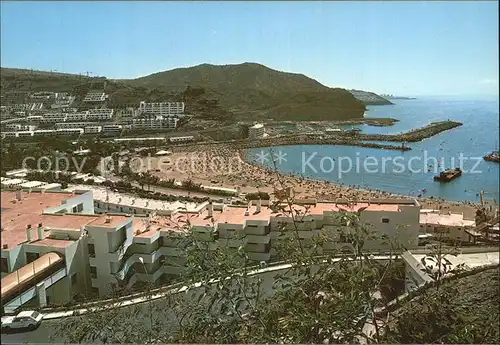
(410,172)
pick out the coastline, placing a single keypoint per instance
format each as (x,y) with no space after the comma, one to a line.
(357,191)
(228,167)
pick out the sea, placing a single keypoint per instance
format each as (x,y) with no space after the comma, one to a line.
(409,172)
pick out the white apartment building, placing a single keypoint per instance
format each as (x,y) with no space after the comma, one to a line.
(95,96)
(92,129)
(24,134)
(53,117)
(106,200)
(35,118)
(73,124)
(155,124)
(162,108)
(20,114)
(447,226)
(69,131)
(181,139)
(62,101)
(44,95)
(111,128)
(38,227)
(256,131)
(44,132)
(9,134)
(80,116)
(101,252)
(20,127)
(20,107)
(126,115)
(100,114)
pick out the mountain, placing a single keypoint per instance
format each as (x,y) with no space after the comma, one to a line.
(247,91)
(261,91)
(370,98)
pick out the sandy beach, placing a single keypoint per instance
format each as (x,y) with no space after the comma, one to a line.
(227,168)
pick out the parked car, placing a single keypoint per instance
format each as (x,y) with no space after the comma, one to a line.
(24,320)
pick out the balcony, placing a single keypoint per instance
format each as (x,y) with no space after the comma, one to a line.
(148,258)
(261,239)
(117,256)
(92,261)
(153,277)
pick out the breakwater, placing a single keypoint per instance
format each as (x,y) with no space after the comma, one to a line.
(340,138)
(415,135)
(283,141)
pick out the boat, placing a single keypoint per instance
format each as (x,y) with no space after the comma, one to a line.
(448,175)
(493,157)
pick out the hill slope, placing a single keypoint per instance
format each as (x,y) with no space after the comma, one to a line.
(246,91)
(370,98)
(263,91)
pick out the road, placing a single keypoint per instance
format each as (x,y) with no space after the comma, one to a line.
(40,335)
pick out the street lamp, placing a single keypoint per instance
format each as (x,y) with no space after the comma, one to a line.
(149,303)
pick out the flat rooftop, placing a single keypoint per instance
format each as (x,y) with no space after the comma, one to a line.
(126,200)
(453,219)
(17,215)
(108,221)
(236,215)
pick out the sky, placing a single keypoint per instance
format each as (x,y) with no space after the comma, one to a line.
(404,48)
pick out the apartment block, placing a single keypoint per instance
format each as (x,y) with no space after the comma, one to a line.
(256,131)
(38,230)
(77,116)
(155,124)
(128,114)
(162,108)
(92,129)
(112,129)
(103,114)
(20,127)
(62,101)
(53,117)
(99,238)
(447,226)
(74,124)
(95,97)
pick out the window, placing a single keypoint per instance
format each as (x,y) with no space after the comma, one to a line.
(5,265)
(73,279)
(93,272)
(385,220)
(30,257)
(91,250)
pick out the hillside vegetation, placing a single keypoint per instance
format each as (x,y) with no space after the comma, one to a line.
(261,91)
(462,311)
(230,92)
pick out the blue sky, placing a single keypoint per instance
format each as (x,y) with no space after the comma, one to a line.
(410,48)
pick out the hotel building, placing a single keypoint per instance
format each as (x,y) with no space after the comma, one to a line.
(162,108)
(57,245)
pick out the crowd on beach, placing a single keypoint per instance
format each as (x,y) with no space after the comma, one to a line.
(227,167)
